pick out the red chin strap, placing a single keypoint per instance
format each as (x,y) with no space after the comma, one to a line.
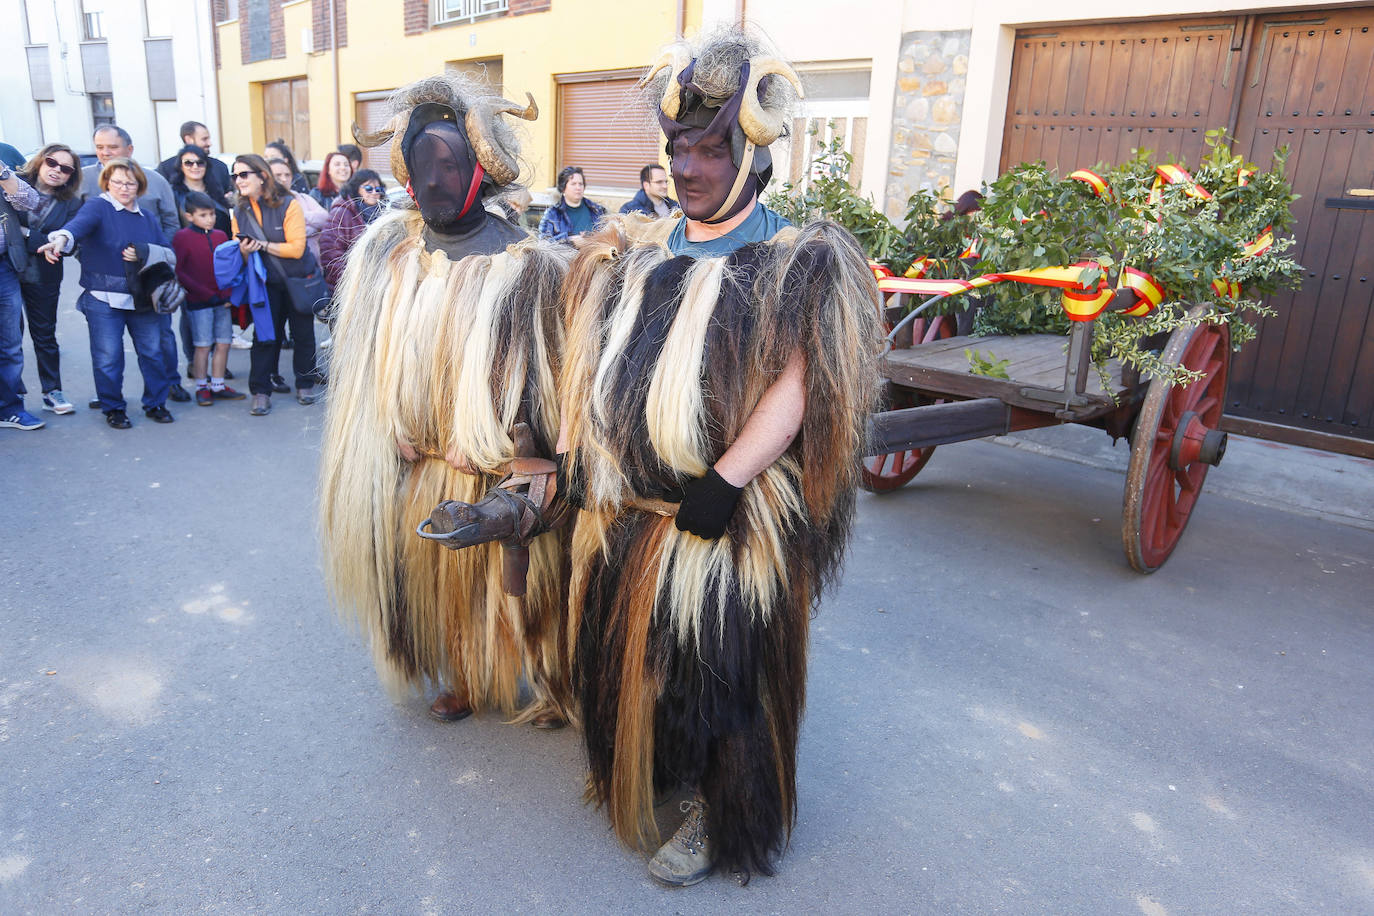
(478,173)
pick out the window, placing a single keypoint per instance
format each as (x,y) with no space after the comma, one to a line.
(36,17)
(489,70)
(91,12)
(102,109)
(466,10)
(371,112)
(602,130)
(158,16)
(230,10)
(162,82)
(40,73)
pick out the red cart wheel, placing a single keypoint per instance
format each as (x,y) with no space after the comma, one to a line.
(1176,440)
(885,473)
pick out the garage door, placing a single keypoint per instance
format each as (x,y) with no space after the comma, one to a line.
(1080,95)
(601,128)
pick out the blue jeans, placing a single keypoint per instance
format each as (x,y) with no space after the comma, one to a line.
(146,329)
(11,339)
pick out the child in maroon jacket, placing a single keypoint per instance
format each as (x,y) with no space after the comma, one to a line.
(206,305)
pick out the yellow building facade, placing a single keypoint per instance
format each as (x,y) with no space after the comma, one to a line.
(540,47)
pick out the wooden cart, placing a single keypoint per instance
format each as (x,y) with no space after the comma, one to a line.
(935,400)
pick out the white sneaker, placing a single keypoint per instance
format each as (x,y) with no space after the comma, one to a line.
(57,402)
(239,342)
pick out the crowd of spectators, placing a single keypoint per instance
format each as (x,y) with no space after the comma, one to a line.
(254,251)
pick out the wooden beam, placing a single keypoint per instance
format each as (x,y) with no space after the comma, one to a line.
(937,424)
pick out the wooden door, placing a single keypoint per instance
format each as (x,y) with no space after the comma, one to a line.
(1309,87)
(1082,95)
(1085,94)
(300,119)
(276,113)
(286,114)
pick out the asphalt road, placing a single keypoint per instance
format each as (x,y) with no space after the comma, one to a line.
(1003,718)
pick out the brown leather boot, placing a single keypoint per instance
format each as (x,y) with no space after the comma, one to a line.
(448,707)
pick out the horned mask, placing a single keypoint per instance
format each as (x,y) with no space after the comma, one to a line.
(744,118)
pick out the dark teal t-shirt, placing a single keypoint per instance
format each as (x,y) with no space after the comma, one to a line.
(759,226)
(580,217)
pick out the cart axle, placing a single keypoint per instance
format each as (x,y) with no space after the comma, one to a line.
(1194,442)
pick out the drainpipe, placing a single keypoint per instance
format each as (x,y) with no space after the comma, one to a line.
(681,18)
(338,98)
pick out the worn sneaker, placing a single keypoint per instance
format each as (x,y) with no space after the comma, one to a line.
(159,414)
(686,859)
(204,398)
(306,396)
(57,402)
(21,419)
(262,405)
(179,394)
(279,384)
(227,394)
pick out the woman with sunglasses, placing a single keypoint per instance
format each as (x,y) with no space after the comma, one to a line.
(55,174)
(361,200)
(268,220)
(193,174)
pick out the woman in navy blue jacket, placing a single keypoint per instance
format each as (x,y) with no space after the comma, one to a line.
(114,232)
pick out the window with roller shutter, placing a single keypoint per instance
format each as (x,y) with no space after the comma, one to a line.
(370,113)
(602,129)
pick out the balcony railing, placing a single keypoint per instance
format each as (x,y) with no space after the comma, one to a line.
(447,11)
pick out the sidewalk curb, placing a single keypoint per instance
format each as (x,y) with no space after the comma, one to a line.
(1324,485)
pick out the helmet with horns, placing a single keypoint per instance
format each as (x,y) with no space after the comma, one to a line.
(454,97)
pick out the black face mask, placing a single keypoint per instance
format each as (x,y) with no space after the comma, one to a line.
(445,178)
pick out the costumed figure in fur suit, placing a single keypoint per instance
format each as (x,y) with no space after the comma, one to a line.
(718,375)
(447,338)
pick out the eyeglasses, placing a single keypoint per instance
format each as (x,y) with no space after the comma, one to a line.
(239,176)
(123,184)
(52,163)
(372,188)
(192,164)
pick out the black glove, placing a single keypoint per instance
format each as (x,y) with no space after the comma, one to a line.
(707,505)
(570,487)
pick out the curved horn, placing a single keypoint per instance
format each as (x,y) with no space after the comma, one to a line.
(374,137)
(498,164)
(761,125)
(529,113)
(675,60)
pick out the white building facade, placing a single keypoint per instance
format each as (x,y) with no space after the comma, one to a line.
(146,65)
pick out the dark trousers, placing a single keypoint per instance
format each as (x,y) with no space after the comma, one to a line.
(265,356)
(40,308)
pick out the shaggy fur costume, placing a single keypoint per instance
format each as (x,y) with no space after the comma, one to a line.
(690,655)
(445,357)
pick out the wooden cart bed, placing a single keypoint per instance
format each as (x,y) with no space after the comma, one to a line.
(1036,366)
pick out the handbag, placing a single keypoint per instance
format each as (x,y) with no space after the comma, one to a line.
(306,293)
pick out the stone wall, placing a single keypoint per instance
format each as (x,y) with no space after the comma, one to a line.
(929,101)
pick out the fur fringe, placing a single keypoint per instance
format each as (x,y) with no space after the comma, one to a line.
(690,656)
(443,359)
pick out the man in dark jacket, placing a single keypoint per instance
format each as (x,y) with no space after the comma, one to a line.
(652,199)
(194,133)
